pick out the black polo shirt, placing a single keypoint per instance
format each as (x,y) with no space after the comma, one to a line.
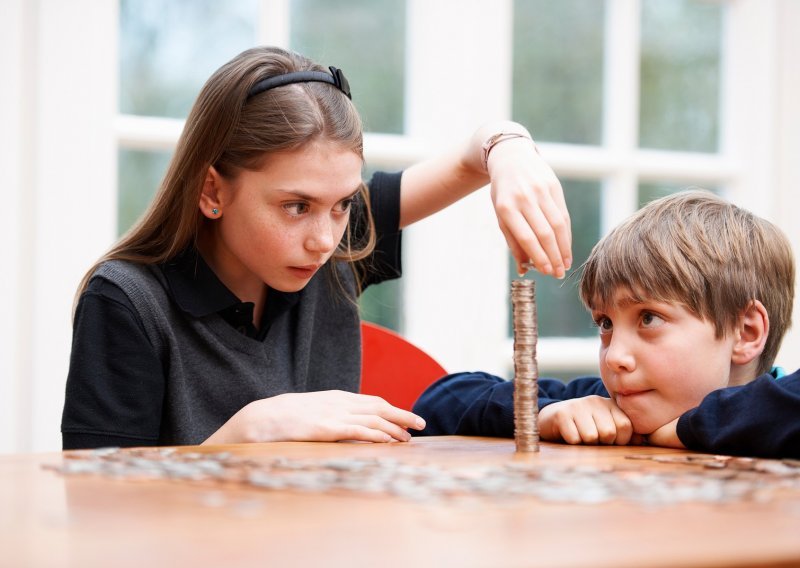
(117,415)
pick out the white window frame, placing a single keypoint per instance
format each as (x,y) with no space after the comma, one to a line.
(60,133)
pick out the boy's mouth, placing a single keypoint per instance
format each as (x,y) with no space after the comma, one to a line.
(631,394)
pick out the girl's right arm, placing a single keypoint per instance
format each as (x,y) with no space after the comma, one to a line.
(326,416)
(115,386)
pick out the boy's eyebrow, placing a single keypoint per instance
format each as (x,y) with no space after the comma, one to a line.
(622,302)
(627,301)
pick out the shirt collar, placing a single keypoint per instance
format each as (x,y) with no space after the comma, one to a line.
(197,290)
(195,287)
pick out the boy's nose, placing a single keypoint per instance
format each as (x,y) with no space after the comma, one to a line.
(618,355)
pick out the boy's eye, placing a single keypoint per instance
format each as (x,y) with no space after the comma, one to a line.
(604,324)
(650,319)
(295,209)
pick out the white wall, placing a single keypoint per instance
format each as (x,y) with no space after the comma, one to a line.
(59,153)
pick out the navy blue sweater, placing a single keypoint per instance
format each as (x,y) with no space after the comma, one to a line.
(760,419)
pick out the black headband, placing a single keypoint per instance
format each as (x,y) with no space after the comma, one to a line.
(336,78)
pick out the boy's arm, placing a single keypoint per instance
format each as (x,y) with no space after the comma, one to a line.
(480,404)
(759,419)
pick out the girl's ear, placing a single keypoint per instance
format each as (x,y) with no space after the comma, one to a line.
(211,196)
(751,333)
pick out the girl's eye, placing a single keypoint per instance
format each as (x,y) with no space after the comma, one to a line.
(650,319)
(296,209)
(604,324)
(344,205)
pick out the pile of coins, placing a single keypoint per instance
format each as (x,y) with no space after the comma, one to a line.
(737,479)
(526,371)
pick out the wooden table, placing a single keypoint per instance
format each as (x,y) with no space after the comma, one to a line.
(51,519)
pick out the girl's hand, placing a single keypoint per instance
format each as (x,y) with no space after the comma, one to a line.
(326,416)
(530,207)
(587,420)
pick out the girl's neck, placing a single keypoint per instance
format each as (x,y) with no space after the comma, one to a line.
(244,285)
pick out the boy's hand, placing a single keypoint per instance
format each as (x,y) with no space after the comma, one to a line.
(666,436)
(587,420)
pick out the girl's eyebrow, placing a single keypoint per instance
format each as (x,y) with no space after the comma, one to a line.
(296,193)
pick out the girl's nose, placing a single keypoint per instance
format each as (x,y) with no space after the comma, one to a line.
(322,236)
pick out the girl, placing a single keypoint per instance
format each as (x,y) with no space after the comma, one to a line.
(228,313)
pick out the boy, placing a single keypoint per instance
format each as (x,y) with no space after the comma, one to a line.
(692,296)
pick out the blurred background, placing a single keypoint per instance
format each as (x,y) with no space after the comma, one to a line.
(628,100)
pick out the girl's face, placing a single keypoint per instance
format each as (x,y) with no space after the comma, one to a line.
(280,224)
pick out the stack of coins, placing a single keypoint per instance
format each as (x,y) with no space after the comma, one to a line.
(526,371)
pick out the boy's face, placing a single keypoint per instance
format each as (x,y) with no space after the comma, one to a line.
(658,360)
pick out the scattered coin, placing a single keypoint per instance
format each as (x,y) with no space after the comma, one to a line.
(740,479)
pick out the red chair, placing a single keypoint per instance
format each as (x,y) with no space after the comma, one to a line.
(393,368)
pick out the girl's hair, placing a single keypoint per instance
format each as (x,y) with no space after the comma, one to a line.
(233,133)
(696,249)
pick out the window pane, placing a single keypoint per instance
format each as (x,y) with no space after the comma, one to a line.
(680,75)
(559,311)
(558,69)
(169,49)
(140,174)
(366,39)
(650,191)
(382,304)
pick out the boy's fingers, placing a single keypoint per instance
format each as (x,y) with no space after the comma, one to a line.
(568,430)
(587,428)
(623,427)
(607,432)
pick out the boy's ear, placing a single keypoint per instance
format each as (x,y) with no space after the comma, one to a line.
(751,333)
(211,197)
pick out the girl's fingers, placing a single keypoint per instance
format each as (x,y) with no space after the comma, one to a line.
(555,210)
(377,406)
(361,434)
(544,234)
(517,230)
(381,424)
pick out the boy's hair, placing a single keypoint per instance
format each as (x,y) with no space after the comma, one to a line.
(233,132)
(699,250)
